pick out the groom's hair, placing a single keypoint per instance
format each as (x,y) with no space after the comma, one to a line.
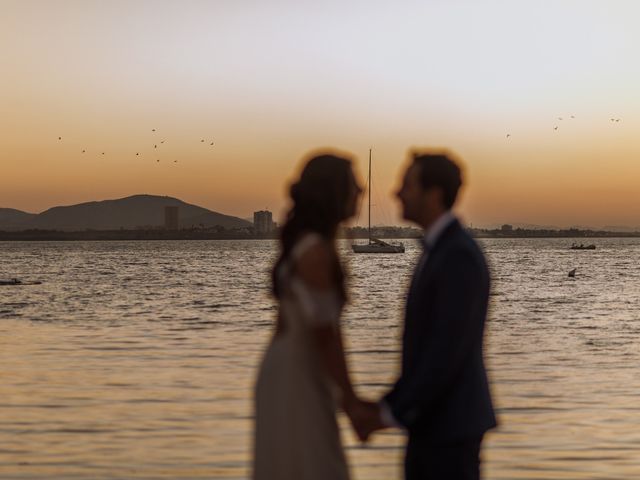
(439,170)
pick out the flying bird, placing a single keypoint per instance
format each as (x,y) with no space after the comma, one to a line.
(211,143)
(82,151)
(60,138)
(158,161)
(137,154)
(162,141)
(508,135)
(202,140)
(102,153)
(155,146)
(153,129)
(555,128)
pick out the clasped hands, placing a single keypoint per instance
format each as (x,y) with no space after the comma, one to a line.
(364,416)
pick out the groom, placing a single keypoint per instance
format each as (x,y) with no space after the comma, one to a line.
(442,396)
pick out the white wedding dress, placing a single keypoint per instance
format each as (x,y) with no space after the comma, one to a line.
(296,433)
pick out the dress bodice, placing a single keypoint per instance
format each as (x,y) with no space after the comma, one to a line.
(302,306)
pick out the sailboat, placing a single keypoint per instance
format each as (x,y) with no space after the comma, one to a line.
(375,245)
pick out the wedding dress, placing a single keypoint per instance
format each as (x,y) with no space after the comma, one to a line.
(296,433)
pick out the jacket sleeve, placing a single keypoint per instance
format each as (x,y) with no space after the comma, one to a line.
(454,328)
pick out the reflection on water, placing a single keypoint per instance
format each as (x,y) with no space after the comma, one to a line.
(136,359)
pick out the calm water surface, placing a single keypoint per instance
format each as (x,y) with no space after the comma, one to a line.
(137,359)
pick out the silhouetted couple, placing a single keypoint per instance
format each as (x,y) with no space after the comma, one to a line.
(441,397)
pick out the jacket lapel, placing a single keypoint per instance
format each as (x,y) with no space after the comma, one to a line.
(425,265)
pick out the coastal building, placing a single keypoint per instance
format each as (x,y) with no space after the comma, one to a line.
(263,222)
(171,218)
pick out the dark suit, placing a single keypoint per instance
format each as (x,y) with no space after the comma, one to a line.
(442,396)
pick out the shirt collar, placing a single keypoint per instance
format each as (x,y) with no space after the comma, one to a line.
(433,233)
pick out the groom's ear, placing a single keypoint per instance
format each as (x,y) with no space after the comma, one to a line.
(433,196)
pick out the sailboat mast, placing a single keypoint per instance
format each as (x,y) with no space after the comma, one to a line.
(369,195)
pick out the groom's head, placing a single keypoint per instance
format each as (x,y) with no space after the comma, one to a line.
(430,187)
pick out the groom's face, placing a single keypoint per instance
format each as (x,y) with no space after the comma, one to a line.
(411,194)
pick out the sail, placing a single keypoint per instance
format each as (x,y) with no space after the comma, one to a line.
(375,245)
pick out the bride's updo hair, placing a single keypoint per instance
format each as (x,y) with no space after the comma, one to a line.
(320,200)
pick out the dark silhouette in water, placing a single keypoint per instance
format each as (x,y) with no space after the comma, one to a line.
(15,281)
(582,246)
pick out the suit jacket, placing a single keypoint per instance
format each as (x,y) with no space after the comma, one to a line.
(442,395)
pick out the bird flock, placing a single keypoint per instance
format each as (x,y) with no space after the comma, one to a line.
(155,146)
(556,127)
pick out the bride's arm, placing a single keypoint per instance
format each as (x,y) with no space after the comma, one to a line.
(315,267)
(331,348)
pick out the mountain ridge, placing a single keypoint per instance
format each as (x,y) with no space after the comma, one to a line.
(134,211)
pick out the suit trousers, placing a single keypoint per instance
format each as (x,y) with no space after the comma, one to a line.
(456,461)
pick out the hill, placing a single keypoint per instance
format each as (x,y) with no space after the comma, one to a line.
(13,218)
(137,211)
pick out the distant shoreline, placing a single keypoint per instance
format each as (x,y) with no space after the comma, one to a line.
(350,233)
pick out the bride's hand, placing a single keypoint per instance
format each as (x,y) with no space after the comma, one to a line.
(364,416)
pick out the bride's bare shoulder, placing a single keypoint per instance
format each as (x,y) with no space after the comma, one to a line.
(315,263)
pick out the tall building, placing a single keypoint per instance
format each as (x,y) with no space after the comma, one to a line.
(171,219)
(263,222)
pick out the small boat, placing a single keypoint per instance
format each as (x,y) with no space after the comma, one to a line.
(15,281)
(376,245)
(575,246)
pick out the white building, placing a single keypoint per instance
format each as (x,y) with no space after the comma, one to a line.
(263,222)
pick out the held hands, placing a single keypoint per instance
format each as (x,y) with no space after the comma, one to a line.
(365,417)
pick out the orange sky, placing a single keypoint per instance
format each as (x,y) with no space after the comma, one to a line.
(269,81)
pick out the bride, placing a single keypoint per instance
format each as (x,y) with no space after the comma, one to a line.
(303,377)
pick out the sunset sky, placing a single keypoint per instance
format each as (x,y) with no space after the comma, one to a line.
(269,81)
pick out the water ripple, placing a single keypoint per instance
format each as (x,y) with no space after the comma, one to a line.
(137,359)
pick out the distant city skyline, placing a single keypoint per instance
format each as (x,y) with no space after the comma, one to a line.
(218,103)
(268,222)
